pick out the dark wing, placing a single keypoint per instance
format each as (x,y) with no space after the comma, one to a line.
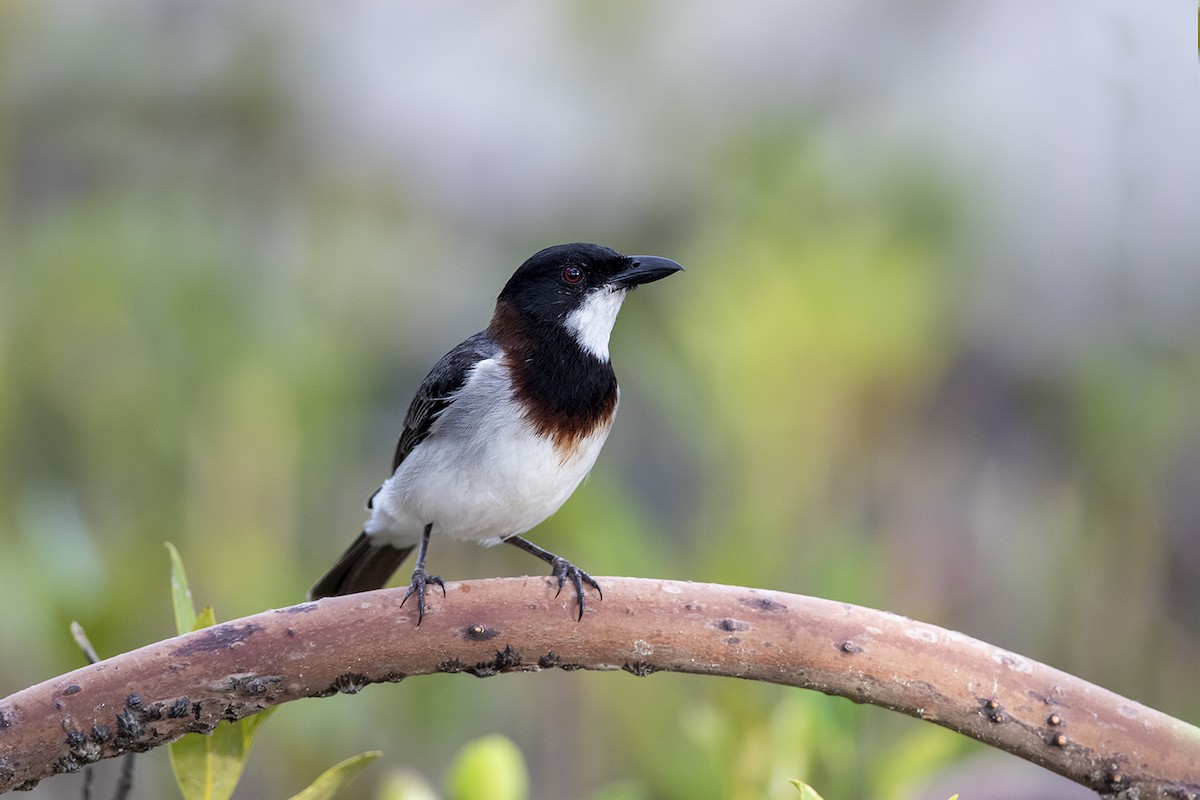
(439,389)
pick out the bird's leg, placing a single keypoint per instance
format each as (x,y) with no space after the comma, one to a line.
(559,568)
(420,578)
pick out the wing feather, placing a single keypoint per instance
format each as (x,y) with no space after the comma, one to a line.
(439,390)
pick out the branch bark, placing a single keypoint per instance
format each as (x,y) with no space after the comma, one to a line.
(147,697)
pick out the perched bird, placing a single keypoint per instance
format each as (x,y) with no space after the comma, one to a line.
(506,425)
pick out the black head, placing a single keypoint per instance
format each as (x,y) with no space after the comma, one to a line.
(556,281)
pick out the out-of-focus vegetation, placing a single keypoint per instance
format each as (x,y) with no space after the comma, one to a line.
(217,294)
(209,766)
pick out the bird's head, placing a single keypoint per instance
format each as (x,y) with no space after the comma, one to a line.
(580,287)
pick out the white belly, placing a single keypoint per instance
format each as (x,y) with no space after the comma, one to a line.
(483,474)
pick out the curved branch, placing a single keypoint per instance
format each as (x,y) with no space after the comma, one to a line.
(150,696)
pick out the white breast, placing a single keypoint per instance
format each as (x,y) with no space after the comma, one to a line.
(483,474)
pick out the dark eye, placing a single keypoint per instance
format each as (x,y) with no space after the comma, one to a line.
(572,274)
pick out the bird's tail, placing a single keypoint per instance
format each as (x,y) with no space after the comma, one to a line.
(367,564)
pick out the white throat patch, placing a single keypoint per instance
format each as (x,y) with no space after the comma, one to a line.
(593,321)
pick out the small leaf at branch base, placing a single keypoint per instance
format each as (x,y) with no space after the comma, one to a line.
(181,595)
(806,791)
(331,781)
(209,767)
(205,619)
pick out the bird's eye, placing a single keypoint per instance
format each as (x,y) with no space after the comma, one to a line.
(572,274)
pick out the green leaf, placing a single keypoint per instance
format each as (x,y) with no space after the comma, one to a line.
(181,595)
(330,782)
(806,791)
(209,767)
(490,768)
(205,619)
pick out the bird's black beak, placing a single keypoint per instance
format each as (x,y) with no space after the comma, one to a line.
(645,269)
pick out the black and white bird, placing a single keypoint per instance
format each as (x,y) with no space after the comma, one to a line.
(506,425)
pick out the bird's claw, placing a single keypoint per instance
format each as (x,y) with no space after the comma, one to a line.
(563,569)
(420,580)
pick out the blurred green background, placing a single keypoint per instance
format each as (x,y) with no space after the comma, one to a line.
(937,349)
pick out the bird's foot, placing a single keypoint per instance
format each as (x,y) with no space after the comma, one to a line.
(420,580)
(564,570)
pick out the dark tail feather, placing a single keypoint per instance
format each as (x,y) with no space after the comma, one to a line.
(366,565)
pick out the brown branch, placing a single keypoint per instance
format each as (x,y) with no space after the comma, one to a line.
(147,697)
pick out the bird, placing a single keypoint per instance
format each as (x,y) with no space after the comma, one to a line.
(505,426)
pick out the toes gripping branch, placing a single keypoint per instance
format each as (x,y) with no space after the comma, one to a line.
(564,570)
(561,569)
(421,579)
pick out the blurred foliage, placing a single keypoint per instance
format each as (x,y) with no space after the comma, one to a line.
(209,766)
(806,791)
(490,768)
(209,330)
(329,784)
